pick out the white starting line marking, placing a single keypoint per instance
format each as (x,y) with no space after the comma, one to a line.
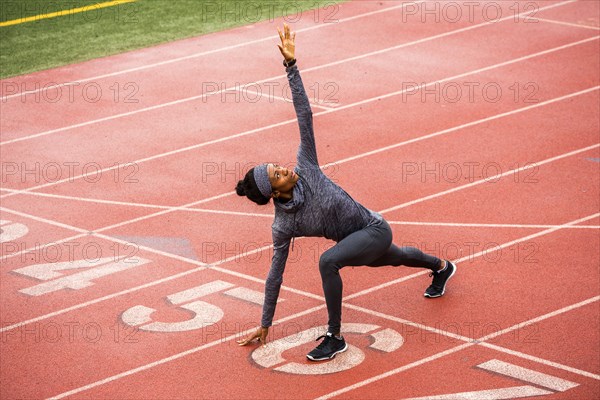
(494,394)
(527,375)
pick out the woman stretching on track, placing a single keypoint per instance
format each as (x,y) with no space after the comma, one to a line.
(307,203)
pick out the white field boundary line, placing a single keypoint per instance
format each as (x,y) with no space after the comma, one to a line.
(205,53)
(454,349)
(245,133)
(253,84)
(306,312)
(270,215)
(552,21)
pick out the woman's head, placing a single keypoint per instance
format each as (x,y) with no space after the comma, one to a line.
(266,181)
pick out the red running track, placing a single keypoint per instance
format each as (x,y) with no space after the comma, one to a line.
(476,137)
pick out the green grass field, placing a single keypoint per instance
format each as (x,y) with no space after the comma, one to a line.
(47,43)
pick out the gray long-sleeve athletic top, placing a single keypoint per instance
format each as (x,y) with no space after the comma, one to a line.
(318,206)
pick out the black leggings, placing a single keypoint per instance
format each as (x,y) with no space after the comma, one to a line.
(371,246)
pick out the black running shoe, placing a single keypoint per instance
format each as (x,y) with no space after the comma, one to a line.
(438,286)
(328,348)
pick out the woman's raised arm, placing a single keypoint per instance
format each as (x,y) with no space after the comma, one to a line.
(307,153)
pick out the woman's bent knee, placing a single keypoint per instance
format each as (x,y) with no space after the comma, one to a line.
(328,264)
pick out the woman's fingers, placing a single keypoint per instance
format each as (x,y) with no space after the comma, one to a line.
(286,36)
(247,340)
(263,337)
(260,334)
(244,342)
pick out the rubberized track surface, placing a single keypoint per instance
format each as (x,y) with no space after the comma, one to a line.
(476,137)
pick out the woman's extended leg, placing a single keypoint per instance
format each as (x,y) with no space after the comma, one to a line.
(370,246)
(441,270)
(408,256)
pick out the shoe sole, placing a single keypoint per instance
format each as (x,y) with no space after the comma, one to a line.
(444,288)
(330,357)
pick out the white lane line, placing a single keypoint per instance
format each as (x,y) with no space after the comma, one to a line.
(226,194)
(450,351)
(270,215)
(156,214)
(456,336)
(396,371)
(200,54)
(237,256)
(595,28)
(405,321)
(477,225)
(253,84)
(527,375)
(442,132)
(89,200)
(383,211)
(515,392)
(259,95)
(484,180)
(518,326)
(455,128)
(540,318)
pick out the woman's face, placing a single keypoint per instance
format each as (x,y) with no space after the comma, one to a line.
(282,180)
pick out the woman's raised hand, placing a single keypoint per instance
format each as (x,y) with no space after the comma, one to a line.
(260,334)
(287,46)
